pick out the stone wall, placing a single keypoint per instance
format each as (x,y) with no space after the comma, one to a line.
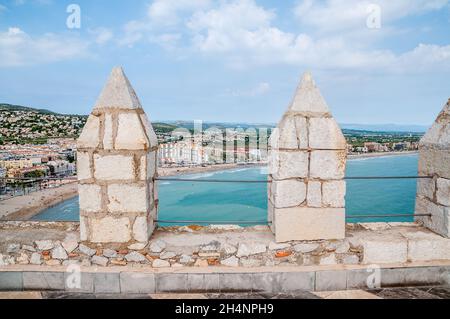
(116,168)
(433,194)
(307,161)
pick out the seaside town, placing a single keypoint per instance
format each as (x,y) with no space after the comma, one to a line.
(38,145)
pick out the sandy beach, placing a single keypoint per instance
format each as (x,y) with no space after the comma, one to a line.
(25,207)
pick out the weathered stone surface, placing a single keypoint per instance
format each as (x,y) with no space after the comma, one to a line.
(13,248)
(159,263)
(384,249)
(186,259)
(108,141)
(229,249)
(426,187)
(333,194)
(113,167)
(109,253)
(343,247)
(118,93)
(276,246)
(23,259)
(351,260)
(440,216)
(90,198)
(314,194)
(134,256)
(99,260)
(83,166)
(324,133)
(230,262)
(157,246)
(308,98)
(86,250)
(306,247)
(427,246)
(251,262)
(59,253)
(288,193)
(248,249)
(70,243)
(284,165)
(141,229)
(137,246)
(127,198)
(89,137)
(306,223)
(110,230)
(291,133)
(130,133)
(28,248)
(44,244)
(443,191)
(201,263)
(6,260)
(434,161)
(328,260)
(83,228)
(35,259)
(167,255)
(327,164)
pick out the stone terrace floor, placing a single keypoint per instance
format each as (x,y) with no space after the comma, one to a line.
(435,292)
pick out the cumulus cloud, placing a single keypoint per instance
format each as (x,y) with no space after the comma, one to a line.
(101,35)
(17,48)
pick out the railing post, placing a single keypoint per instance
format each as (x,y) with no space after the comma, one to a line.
(433,194)
(116,155)
(307,159)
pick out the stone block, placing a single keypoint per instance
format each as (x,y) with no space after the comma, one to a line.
(327,164)
(108,283)
(43,280)
(314,194)
(288,193)
(171,282)
(89,137)
(426,187)
(443,191)
(360,278)
(284,165)
(433,161)
(267,282)
(113,167)
(333,194)
(439,219)
(291,133)
(90,197)
(426,246)
(325,134)
(85,284)
(11,281)
(110,230)
(83,166)
(230,282)
(137,283)
(306,223)
(108,140)
(148,166)
(203,283)
(142,228)
(297,281)
(151,135)
(332,280)
(131,133)
(83,228)
(127,198)
(386,249)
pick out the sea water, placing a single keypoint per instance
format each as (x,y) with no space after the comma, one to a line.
(240,202)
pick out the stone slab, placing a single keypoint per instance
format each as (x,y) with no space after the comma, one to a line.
(132,282)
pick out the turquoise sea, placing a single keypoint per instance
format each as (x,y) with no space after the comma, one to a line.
(238,202)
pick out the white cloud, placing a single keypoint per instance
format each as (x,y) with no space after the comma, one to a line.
(166,12)
(17,48)
(102,35)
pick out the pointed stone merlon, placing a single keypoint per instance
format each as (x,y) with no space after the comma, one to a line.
(116,164)
(433,194)
(307,158)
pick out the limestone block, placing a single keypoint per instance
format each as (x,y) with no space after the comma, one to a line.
(386,249)
(288,193)
(113,167)
(426,187)
(83,229)
(151,135)
(124,198)
(308,98)
(90,198)
(108,134)
(284,165)
(432,161)
(324,133)
(439,134)
(314,194)
(89,137)
(142,228)
(306,223)
(333,194)
(148,166)
(83,166)
(327,164)
(443,191)
(426,246)
(130,133)
(292,133)
(440,216)
(110,230)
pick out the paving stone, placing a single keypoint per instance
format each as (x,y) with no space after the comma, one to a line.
(43,280)
(137,283)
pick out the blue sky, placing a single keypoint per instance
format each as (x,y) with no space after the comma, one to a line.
(232,60)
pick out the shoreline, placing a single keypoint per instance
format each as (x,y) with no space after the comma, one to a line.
(25,207)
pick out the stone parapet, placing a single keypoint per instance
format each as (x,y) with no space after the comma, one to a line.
(116,156)
(307,160)
(433,193)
